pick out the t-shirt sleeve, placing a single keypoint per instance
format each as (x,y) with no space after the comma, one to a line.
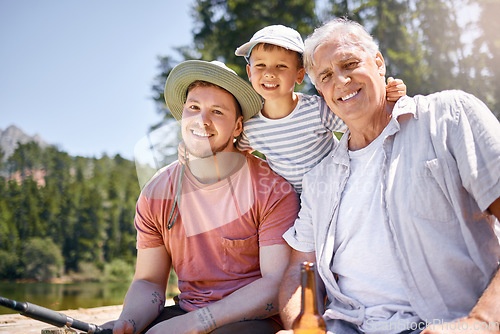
(301,235)
(155,201)
(148,232)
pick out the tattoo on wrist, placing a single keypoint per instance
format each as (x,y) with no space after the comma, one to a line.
(132,322)
(207,319)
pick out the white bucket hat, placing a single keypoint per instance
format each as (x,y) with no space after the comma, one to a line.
(279,35)
(214,72)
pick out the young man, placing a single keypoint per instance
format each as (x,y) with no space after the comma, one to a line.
(218,220)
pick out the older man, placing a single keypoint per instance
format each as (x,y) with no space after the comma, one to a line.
(218,221)
(400,215)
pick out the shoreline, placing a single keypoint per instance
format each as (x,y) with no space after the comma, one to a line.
(19,324)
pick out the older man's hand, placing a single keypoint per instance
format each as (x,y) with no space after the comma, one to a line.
(464,325)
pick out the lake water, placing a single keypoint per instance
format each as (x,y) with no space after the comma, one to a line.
(64,296)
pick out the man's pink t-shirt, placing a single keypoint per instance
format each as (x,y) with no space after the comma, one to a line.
(214,242)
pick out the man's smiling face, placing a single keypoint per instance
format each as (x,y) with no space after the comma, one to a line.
(209,121)
(351,81)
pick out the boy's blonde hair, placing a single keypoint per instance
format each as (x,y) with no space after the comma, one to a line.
(271,47)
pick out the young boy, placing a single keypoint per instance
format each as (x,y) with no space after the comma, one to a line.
(293,130)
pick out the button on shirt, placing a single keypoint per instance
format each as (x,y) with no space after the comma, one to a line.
(441,171)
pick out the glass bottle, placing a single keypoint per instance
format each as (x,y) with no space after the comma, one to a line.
(309,321)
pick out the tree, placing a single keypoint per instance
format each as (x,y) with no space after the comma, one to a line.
(166,64)
(221,26)
(486,54)
(419,39)
(43,259)
(84,205)
(26,158)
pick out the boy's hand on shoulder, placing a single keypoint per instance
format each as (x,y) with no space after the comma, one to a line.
(395,88)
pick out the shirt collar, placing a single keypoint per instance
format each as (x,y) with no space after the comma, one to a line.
(404,106)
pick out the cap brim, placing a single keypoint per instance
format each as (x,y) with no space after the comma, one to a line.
(190,71)
(245,49)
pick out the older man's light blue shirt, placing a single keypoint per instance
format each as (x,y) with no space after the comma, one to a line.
(441,172)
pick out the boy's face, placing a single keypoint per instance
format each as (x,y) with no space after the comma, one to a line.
(209,121)
(274,72)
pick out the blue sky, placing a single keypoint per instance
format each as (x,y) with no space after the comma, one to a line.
(79,72)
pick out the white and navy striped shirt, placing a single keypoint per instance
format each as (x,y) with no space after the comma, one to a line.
(296,143)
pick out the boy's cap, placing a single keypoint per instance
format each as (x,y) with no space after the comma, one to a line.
(214,72)
(279,35)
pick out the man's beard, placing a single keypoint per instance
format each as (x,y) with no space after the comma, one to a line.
(207,150)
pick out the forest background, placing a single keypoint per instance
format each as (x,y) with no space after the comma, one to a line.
(71,218)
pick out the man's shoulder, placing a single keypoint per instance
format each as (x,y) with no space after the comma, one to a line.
(452,96)
(263,175)
(162,177)
(257,164)
(447,102)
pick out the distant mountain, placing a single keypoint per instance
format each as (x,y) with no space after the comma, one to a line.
(10,137)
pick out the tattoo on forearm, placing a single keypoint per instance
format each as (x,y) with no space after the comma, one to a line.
(132,322)
(207,319)
(269,311)
(269,307)
(157,298)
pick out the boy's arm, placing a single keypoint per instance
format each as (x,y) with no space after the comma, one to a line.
(395,89)
(257,300)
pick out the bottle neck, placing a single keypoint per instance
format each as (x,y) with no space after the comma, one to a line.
(309,304)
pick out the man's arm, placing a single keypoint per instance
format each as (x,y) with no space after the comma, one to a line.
(145,298)
(257,300)
(487,308)
(290,292)
(485,316)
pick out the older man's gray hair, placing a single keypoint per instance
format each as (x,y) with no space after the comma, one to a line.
(345,31)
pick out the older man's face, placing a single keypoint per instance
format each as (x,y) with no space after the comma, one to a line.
(351,81)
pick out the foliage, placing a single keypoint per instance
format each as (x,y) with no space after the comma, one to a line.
(422,41)
(58,213)
(85,206)
(118,270)
(42,259)
(221,26)
(485,61)
(9,264)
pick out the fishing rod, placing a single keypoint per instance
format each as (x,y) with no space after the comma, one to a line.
(52,317)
